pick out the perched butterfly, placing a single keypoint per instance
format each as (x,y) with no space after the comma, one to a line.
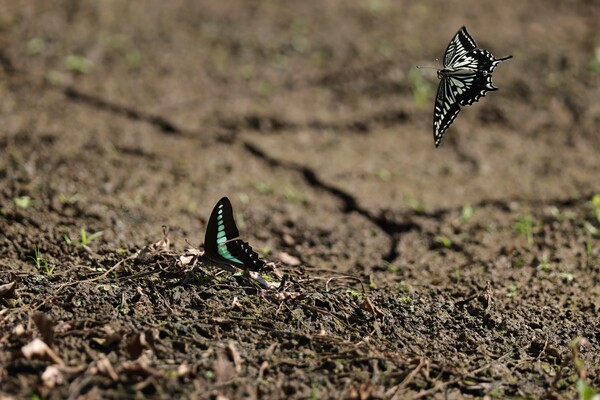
(465,78)
(222,245)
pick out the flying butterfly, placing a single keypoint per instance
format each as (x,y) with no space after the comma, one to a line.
(222,245)
(465,78)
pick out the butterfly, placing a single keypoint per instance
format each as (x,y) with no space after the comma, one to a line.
(465,78)
(222,245)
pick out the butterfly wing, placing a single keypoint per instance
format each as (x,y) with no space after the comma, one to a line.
(221,228)
(445,110)
(221,243)
(459,46)
(241,252)
(472,87)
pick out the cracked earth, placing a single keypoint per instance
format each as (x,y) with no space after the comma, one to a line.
(408,272)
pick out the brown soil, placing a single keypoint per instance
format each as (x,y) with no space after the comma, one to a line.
(466,271)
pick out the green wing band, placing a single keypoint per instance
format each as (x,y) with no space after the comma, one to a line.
(224,252)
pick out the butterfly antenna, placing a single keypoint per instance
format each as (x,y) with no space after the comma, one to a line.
(437,60)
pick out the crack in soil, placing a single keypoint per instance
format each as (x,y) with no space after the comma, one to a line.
(161,123)
(265,123)
(349,204)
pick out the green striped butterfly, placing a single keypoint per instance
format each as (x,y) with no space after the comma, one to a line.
(222,245)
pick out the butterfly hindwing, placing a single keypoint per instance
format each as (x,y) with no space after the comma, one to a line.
(242,252)
(445,111)
(222,244)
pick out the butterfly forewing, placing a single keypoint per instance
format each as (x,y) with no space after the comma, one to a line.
(221,227)
(460,45)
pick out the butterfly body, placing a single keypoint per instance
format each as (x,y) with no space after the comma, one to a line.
(464,79)
(222,245)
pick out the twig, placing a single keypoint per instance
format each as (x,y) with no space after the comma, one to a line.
(99,277)
(409,378)
(349,277)
(440,386)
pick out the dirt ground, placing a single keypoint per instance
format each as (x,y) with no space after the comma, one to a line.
(468,271)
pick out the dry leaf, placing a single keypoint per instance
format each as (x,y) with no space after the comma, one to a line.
(235,356)
(7,291)
(19,330)
(185,260)
(184,369)
(289,259)
(147,253)
(135,345)
(262,369)
(190,257)
(362,392)
(105,367)
(224,370)
(37,348)
(140,367)
(46,327)
(52,376)
(367,305)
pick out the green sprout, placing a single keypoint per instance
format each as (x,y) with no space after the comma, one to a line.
(63,198)
(511,290)
(444,241)
(544,265)
(391,267)
(23,202)
(84,237)
(293,195)
(525,227)
(264,187)
(113,40)
(421,89)
(567,276)
(264,252)
(595,63)
(41,263)
(591,228)
(466,214)
(415,204)
(456,273)
(34,46)
(78,64)
(588,250)
(584,389)
(384,174)
(596,207)
(134,58)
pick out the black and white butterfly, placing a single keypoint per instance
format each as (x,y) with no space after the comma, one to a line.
(465,78)
(222,245)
